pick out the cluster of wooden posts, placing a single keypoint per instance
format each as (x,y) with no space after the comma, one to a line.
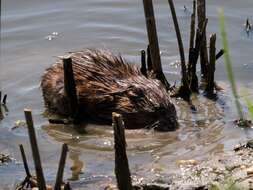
(151,62)
(3,107)
(38,181)
(197,48)
(122,171)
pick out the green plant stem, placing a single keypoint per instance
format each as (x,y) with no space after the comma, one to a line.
(249,106)
(228,64)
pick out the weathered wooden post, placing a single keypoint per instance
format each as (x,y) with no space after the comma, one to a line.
(122,171)
(143,63)
(201,9)
(211,67)
(149,61)
(70,86)
(192,31)
(184,90)
(194,58)
(35,150)
(61,166)
(192,37)
(153,42)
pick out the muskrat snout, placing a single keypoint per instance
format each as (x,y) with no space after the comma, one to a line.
(167,119)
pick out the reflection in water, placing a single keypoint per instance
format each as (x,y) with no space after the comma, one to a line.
(199,129)
(77,165)
(26,54)
(3,111)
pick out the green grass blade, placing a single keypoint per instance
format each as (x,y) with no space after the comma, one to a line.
(228,64)
(249,106)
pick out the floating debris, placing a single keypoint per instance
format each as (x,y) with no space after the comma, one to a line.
(52,36)
(187,162)
(243,123)
(248,26)
(185,8)
(4,159)
(19,124)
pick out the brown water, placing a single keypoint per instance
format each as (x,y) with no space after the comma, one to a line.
(34,32)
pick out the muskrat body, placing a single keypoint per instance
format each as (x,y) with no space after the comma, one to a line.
(106,83)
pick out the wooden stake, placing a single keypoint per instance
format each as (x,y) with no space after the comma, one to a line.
(149,61)
(35,150)
(70,86)
(194,58)
(61,167)
(28,174)
(122,171)
(184,90)
(211,67)
(153,42)
(193,18)
(191,46)
(201,9)
(143,63)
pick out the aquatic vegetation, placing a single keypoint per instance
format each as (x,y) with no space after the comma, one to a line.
(4,159)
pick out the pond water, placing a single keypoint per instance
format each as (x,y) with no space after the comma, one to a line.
(35,32)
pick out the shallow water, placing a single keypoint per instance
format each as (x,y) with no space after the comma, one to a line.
(33,33)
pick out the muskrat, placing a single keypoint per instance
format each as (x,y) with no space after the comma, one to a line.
(107,83)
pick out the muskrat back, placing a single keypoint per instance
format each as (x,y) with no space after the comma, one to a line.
(106,83)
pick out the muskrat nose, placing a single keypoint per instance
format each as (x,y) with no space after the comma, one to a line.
(164,125)
(167,120)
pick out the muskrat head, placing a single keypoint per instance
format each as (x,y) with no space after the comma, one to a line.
(149,105)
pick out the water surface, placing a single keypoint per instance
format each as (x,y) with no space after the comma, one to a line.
(35,32)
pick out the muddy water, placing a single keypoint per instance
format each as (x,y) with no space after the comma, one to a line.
(34,32)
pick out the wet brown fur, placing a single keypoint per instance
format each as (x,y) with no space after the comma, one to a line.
(106,83)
